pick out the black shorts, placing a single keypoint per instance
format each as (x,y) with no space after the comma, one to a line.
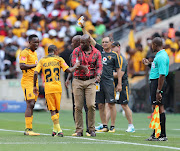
(153,89)
(124,94)
(106,93)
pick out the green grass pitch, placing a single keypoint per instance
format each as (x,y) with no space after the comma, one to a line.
(120,140)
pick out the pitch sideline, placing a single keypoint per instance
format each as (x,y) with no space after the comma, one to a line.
(100,141)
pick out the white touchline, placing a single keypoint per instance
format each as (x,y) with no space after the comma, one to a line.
(107,141)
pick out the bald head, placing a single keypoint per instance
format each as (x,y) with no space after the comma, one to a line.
(85,42)
(157,44)
(76,41)
(85,37)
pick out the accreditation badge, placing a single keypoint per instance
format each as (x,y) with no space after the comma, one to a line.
(97,87)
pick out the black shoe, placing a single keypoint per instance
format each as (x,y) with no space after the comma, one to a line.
(53,134)
(162,138)
(152,138)
(60,134)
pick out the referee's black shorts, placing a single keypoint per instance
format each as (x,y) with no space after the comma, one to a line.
(153,89)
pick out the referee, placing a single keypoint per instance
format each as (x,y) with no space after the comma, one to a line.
(159,70)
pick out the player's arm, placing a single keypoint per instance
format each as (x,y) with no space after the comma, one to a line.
(119,85)
(93,42)
(68,79)
(23,61)
(72,69)
(118,70)
(36,72)
(24,66)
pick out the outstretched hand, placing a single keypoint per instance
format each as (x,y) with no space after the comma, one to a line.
(145,61)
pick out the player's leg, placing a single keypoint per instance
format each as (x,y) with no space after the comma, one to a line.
(128,114)
(162,137)
(53,102)
(113,113)
(100,100)
(108,113)
(29,113)
(123,100)
(78,91)
(110,100)
(153,88)
(30,102)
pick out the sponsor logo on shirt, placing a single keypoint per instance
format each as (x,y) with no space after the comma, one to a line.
(153,65)
(104,60)
(64,64)
(23,58)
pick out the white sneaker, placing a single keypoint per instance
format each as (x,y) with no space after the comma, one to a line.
(130,129)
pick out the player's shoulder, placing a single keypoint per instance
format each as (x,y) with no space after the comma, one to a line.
(25,51)
(114,53)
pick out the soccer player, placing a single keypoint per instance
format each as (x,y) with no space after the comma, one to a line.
(28,61)
(51,66)
(158,73)
(124,97)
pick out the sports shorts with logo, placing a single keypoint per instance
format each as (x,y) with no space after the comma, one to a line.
(28,93)
(106,93)
(53,101)
(124,94)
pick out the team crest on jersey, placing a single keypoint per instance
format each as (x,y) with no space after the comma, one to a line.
(29,95)
(109,57)
(36,61)
(104,60)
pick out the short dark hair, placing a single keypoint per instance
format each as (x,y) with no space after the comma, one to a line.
(158,41)
(110,38)
(171,25)
(31,37)
(51,48)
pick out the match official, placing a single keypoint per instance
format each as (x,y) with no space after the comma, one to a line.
(159,70)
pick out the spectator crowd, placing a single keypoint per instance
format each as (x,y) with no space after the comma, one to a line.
(54,22)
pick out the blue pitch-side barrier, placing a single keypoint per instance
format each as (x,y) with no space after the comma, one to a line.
(12,106)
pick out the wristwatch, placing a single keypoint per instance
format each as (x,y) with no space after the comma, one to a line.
(159,91)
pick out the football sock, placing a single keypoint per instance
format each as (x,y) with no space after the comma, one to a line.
(57,115)
(163,124)
(130,125)
(31,118)
(56,125)
(28,121)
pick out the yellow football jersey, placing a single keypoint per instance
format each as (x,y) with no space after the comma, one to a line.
(28,57)
(51,66)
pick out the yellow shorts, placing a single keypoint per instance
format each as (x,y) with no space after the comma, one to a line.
(53,101)
(28,94)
